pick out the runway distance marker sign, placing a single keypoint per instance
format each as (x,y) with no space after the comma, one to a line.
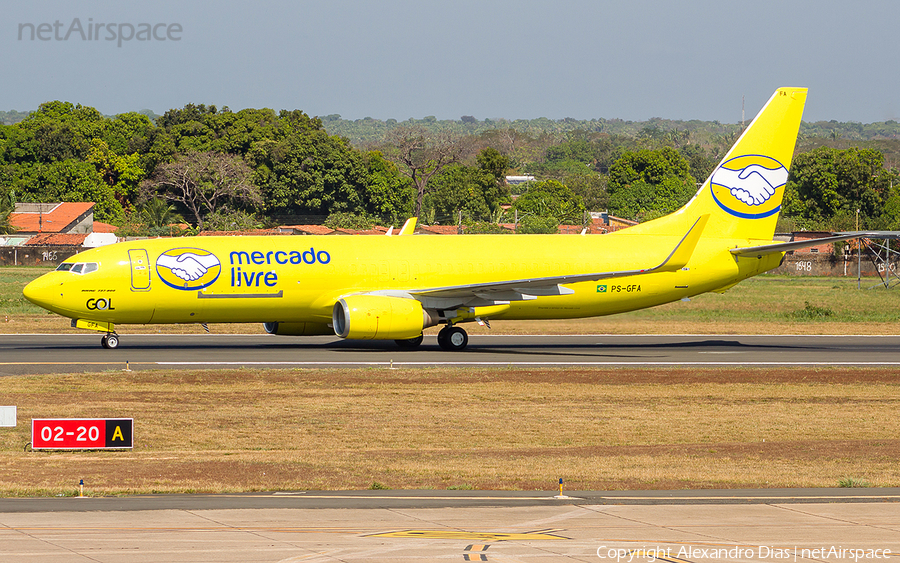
(82,433)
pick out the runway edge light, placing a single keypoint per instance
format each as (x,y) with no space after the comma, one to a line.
(561,495)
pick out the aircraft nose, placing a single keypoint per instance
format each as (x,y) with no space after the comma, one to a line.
(43,292)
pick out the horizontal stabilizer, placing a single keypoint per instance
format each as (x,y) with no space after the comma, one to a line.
(766,249)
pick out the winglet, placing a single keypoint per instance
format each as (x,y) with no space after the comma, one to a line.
(682,253)
(409,227)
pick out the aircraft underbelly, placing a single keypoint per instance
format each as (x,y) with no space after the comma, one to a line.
(238,307)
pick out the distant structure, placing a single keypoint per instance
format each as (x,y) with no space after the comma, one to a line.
(602,222)
(51,232)
(65,218)
(514,180)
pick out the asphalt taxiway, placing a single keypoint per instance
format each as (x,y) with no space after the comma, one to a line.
(376,526)
(47,353)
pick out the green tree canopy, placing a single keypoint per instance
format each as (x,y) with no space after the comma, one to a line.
(827,183)
(7,206)
(649,183)
(388,195)
(550,199)
(310,173)
(476,191)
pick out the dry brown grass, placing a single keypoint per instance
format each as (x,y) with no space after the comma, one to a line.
(437,428)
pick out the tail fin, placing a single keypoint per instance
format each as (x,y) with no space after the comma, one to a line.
(743,195)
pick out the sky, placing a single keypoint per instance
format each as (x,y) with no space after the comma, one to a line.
(401,59)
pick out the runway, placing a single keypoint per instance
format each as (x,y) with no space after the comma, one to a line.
(758,526)
(379,526)
(44,353)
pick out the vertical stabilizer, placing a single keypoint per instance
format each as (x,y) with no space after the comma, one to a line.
(744,193)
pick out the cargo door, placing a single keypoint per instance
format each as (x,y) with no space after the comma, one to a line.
(140,269)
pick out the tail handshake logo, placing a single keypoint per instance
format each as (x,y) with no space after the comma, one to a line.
(746,186)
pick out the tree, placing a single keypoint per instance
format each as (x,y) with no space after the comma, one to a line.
(826,183)
(122,173)
(158,213)
(649,183)
(591,188)
(204,182)
(310,173)
(65,180)
(491,161)
(550,200)
(7,206)
(422,155)
(476,191)
(56,131)
(388,195)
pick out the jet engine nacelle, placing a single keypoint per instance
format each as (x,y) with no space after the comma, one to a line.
(297,329)
(379,317)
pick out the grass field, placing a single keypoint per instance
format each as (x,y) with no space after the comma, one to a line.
(246,430)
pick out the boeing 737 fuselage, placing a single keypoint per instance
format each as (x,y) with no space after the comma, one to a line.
(393,287)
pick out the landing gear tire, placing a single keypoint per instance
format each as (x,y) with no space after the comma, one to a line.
(410,343)
(452,338)
(110,341)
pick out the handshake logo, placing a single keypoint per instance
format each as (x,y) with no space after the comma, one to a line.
(745,186)
(188,268)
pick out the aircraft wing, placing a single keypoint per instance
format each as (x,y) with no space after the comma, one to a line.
(776,248)
(525,289)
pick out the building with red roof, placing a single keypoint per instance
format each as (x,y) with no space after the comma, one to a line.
(57,239)
(67,218)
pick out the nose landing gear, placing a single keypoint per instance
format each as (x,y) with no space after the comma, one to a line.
(110,341)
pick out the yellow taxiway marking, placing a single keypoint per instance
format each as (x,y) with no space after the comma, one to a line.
(455,535)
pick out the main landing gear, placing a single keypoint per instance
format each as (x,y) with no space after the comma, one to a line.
(410,343)
(110,341)
(452,338)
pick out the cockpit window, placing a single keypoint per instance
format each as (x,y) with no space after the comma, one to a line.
(80,268)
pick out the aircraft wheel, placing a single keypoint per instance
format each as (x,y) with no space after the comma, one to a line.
(410,343)
(110,341)
(453,338)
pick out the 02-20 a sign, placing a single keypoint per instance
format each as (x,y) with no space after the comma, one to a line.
(82,433)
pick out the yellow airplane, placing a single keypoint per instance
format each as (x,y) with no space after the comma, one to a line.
(393,287)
